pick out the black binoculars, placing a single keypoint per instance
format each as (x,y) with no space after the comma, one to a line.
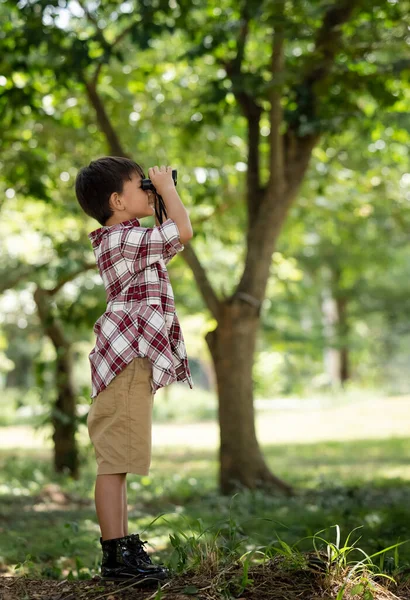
(147,184)
(160,210)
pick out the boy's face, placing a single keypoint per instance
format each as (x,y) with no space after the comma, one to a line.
(134,202)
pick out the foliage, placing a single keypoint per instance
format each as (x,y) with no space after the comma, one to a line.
(221,540)
(167,79)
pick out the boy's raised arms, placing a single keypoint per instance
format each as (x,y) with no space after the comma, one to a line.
(161,177)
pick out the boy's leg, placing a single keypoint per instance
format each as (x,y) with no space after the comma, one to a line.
(109,504)
(125,510)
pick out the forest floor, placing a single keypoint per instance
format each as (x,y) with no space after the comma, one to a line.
(271,581)
(348,462)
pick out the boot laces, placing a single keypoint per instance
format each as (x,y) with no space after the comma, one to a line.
(137,548)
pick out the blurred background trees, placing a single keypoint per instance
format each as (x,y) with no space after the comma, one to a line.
(195,86)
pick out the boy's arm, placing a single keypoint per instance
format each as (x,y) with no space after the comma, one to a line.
(176,211)
(143,246)
(167,257)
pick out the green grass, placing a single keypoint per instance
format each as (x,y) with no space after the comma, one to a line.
(347,484)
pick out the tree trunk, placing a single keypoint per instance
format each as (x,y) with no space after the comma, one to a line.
(63,414)
(232,346)
(331,354)
(343,333)
(336,353)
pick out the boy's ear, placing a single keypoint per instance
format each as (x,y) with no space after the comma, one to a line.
(115,201)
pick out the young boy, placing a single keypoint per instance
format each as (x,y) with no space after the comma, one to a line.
(139,343)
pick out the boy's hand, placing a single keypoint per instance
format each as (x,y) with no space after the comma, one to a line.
(161,177)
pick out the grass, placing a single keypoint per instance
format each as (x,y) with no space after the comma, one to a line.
(48,526)
(347,489)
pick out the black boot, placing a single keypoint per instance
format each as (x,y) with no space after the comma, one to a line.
(138,546)
(121,561)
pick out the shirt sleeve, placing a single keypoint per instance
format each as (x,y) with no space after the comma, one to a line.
(143,246)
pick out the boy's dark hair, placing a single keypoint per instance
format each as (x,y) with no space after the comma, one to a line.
(95,184)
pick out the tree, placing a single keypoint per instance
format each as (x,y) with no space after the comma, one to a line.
(63,413)
(296,70)
(316,79)
(351,239)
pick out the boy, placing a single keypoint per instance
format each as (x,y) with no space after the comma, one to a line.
(139,343)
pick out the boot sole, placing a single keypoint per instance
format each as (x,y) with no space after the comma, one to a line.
(144,581)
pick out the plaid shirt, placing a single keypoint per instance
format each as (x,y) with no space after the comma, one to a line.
(140,320)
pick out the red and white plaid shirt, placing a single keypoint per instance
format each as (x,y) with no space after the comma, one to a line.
(140,320)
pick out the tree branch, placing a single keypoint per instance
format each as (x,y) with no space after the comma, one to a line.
(25,272)
(115,147)
(327,44)
(94,21)
(52,327)
(251,111)
(124,33)
(94,79)
(13,276)
(70,277)
(203,283)
(106,56)
(298,153)
(104,122)
(328,41)
(290,156)
(241,39)
(108,48)
(277,178)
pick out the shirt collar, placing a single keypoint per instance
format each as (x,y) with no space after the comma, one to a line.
(96,236)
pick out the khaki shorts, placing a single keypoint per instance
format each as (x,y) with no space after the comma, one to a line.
(120,421)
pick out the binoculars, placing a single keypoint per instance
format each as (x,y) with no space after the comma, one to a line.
(147,184)
(160,210)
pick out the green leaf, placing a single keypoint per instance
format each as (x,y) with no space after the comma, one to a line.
(357,589)
(190,590)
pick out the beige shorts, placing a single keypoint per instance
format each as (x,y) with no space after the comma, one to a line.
(120,421)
